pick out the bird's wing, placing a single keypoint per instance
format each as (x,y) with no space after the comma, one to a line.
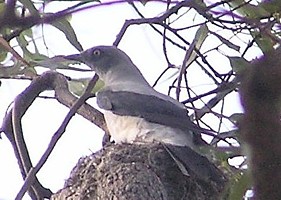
(151,108)
(192,163)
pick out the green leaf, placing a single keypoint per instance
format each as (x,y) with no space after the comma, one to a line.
(3,54)
(77,86)
(28,33)
(144,2)
(99,85)
(10,71)
(191,54)
(63,25)
(2,8)
(227,42)
(272,6)
(238,64)
(239,185)
(248,10)
(30,6)
(224,135)
(236,117)
(198,40)
(27,55)
(265,43)
(50,63)
(201,35)
(22,41)
(57,62)
(5,45)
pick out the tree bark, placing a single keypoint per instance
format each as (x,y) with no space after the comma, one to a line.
(131,171)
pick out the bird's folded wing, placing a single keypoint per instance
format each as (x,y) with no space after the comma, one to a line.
(192,163)
(151,108)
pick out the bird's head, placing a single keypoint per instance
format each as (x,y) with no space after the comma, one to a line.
(105,60)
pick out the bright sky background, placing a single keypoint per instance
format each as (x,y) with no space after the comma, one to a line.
(93,27)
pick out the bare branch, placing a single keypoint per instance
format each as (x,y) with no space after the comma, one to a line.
(79,102)
(12,122)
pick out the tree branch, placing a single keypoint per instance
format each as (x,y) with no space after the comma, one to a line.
(33,171)
(12,122)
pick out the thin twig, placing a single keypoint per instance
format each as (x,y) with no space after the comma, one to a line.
(56,137)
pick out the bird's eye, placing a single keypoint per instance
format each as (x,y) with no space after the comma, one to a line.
(96,52)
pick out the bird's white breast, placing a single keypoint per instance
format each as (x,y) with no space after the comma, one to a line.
(128,129)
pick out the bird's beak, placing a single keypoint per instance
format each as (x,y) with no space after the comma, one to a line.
(76,57)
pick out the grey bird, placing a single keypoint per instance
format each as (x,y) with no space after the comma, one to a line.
(136,113)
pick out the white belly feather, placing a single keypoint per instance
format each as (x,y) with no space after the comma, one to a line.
(127,129)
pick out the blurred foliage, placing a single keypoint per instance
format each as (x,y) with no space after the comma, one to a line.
(258,21)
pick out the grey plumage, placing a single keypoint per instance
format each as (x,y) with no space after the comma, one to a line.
(127,95)
(135,112)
